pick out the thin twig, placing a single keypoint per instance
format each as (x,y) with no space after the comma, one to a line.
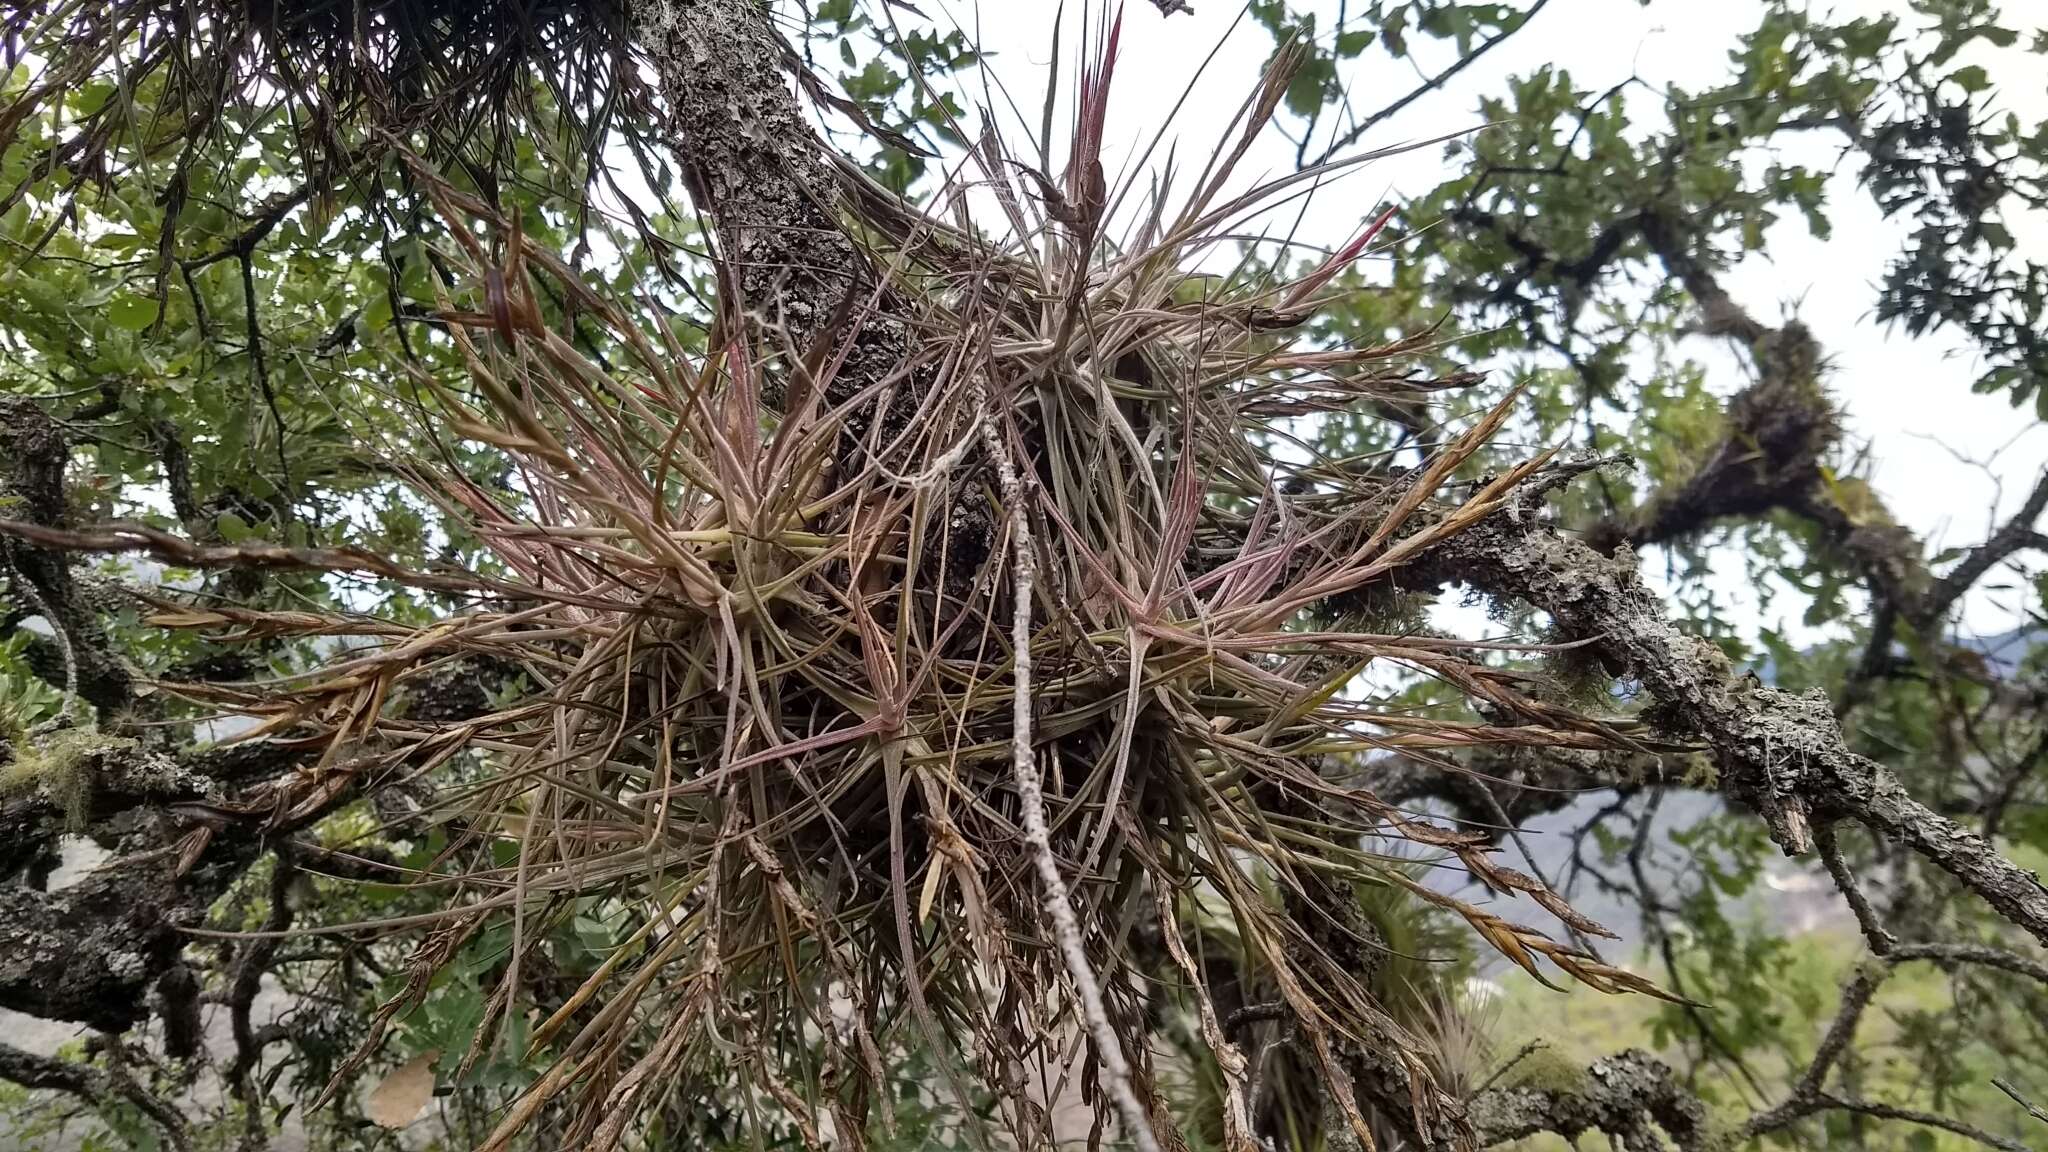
(1881,941)
(1520,1055)
(1432,84)
(1808,1095)
(1059,906)
(33,597)
(261,371)
(2031,1108)
(1980,954)
(1881,1111)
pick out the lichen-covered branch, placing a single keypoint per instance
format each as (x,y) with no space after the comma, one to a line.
(754,165)
(182,830)
(1629,1097)
(91,952)
(1781,754)
(1777,437)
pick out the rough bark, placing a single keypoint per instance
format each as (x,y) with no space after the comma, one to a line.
(182,828)
(753,164)
(70,780)
(795,277)
(1623,1096)
(34,453)
(92,952)
(1781,754)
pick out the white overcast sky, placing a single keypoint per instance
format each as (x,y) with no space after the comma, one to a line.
(1908,399)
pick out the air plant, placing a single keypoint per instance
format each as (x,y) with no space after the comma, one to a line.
(885,716)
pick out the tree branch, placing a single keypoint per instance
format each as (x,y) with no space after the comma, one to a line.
(1979,954)
(2013,1094)
(2016,534)
(1433,84)
(252,960)
(1620,1096)
(1824,1102)
(1810,1096)
(92,952)
(34,453)
(96,1086)
(1881,940)
(1781,754)
(260,371)
(1515,782)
